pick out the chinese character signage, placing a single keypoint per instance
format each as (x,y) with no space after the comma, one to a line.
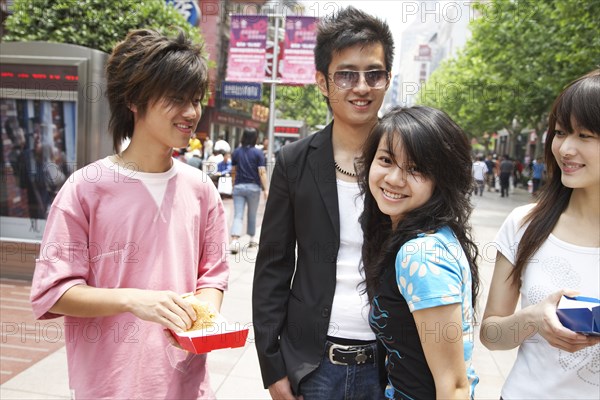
(298,66)
(247,48)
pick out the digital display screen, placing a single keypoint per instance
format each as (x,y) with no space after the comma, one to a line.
(287,129)
(38,153)
(40,77)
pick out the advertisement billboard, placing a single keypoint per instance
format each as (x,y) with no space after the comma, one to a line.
(247,48)
(298,63)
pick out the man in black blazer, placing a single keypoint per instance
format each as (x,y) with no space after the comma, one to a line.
(310,318)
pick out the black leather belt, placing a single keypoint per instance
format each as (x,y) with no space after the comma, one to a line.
(351,355)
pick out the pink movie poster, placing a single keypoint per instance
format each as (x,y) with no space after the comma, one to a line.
(247,48)
(298,66)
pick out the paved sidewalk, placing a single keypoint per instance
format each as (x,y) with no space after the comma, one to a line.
(235,373)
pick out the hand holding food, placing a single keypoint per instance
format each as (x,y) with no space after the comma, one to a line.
(205,313)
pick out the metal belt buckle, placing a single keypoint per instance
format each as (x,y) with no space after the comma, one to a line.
(332,348)
(361,357)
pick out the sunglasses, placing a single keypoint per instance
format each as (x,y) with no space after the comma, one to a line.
(376,78)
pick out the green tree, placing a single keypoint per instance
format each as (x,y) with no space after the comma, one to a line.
(521,54)
(302,103)
(98,24)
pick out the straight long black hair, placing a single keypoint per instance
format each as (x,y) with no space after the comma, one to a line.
(249,137)
(441,152)
(580,103)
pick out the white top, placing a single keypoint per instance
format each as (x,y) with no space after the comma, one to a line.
(156,183)
(350,309)
(540,370)
(479,170)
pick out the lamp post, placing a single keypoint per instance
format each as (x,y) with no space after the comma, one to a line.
(273,81)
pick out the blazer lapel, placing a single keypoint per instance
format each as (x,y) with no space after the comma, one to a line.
(320,162)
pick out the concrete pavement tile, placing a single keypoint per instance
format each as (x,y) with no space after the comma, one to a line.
(222,361)
(484,362)
(216,380)
(491,389)
(9,394)
(505,360)
(238,293)
(237,310)
(49,377)
(243,388)
(247,366)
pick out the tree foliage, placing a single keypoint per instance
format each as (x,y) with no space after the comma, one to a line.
(305,103)
(520,56)
(98,24)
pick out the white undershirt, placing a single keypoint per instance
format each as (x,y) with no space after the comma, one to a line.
(350,309)
(155,182)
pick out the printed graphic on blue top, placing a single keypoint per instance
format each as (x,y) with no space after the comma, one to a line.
(430,270)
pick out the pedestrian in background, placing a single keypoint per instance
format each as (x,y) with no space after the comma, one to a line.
(490,174)
(479,170)
(538,172)
(207,149)
(506,171)
(196,159)
(310,317)
(517,173)
(250,178)
(194,143)
(418,253)
(210,166)
(224,167)
(120,249)
(550,249)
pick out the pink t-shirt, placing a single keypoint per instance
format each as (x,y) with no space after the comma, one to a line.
(106,230)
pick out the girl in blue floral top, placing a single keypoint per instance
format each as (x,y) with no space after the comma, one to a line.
(418,255)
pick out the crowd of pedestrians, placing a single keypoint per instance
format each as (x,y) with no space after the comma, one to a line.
(503,174)
(365,250)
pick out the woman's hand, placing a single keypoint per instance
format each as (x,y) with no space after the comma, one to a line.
(549,327)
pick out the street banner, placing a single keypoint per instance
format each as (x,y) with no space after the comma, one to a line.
(247,48)
(298,64)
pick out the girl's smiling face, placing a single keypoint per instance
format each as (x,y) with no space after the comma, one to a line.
(578,156)
(396,182)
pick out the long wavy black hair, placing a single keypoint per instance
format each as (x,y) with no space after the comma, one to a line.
(441,152)
(579,101)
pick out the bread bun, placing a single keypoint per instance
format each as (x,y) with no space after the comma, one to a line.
(205,313)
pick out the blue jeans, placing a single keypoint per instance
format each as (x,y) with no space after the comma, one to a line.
(347,382)
(245,193)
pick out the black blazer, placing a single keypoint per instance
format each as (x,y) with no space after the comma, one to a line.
(293,292)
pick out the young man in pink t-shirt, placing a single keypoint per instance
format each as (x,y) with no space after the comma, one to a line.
(128,234)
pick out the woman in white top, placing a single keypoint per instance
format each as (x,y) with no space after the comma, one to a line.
(550,249)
